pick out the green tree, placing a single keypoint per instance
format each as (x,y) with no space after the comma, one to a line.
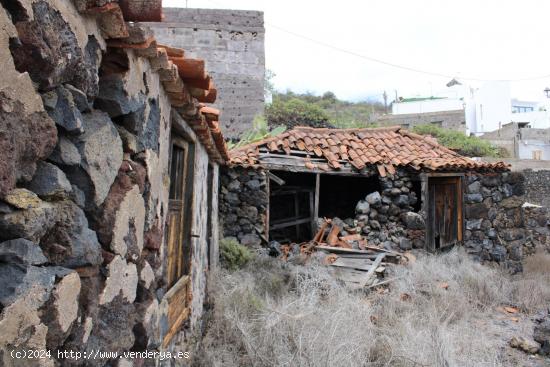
(295,112)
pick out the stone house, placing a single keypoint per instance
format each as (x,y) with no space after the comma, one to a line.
(397,188)
(108,184)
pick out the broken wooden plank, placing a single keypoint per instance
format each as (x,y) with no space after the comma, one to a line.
(386,281)
(349,275)
(351,237)
(332,237)
(321,232)
(359,264)
(279,181)
(375,265)
(343,250)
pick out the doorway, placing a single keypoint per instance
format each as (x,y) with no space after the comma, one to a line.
(445,221)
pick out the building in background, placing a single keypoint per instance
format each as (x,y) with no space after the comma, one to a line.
(485,108)
(232,43)
(521,142)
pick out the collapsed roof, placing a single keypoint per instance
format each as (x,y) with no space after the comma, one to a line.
(354,150)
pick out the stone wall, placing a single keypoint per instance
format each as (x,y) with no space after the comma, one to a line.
(537,186)
(232,43)
(453,120)
(243,204)
(494,219)
(84,179)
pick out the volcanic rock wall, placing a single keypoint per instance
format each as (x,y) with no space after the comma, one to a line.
(495,228)
(84,178)
(243,204)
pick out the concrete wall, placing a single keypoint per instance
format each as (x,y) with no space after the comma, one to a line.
(232,43)
(84,184)
(425,106)
(453,120)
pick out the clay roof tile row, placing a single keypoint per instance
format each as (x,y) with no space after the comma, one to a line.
(185,80)
(386,148)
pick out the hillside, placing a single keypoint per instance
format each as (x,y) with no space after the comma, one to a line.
(321,111)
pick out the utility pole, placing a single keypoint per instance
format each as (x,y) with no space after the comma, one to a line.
(385,102)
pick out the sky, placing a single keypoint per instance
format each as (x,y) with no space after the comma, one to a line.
(318,46)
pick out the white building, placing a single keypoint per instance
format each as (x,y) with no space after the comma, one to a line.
(486,108)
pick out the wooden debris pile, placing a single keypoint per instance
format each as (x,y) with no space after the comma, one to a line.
(350,258)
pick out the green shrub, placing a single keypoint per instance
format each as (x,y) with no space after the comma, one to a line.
(234,255)
(470,146)
(296,112)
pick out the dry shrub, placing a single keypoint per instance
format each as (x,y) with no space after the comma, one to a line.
(531,290)
(438,313)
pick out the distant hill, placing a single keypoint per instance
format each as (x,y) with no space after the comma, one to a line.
(291,109)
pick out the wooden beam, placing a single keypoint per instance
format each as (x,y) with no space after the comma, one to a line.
(374,265)
(279,181)
(290,223)
(316,204)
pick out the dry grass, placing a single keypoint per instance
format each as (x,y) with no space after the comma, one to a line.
(439,313)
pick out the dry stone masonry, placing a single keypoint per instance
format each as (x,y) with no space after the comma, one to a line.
(243,204)
(84,178)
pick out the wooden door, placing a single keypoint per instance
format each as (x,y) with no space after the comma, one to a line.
(176,210)
(178,248)
(445,212)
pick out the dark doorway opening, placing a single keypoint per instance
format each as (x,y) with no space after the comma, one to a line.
(291,206)
(339,195)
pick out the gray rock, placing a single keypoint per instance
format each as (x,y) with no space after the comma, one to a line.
(398,183)
(498,253)
(144,123)
(395,192)
(232,198)
(60,105)
(386,200)
(373,214)
(31,223)
(474,198)
(497,196)
(21,251)
(384,209)
(511,234)
(511,202)
(473,224)
(516,252)
(413,220)
(485,192)
(69,241)
(374,224)
(382,218)
(250,239)
(234,185)
(49,181)
(474,188)
(542,335)
(374,198)
(114,99)
(507,190)
(405,244)
(491,180)
(80,99)
(253,185)
(476,211)
(129,140)
(362,207)
(274,249)
(402,201)
(101,150)
(65,153)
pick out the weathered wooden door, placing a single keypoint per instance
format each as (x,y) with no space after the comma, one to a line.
(444,212)
(178,241)
(176,209)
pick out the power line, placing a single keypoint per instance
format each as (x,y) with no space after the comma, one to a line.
(398,66)
(387,63)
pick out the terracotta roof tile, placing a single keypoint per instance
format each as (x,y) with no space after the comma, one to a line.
(386,148)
